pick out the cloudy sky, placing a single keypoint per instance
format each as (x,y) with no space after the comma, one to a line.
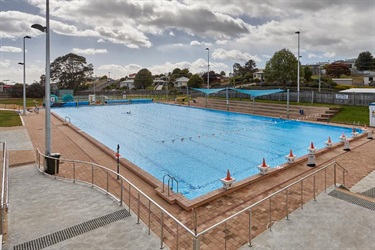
(120,37)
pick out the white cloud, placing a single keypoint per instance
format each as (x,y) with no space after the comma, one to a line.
(329,54)
(222,54)
(311,55)
(197,43)
(10,49)
(162,35)
(90,51)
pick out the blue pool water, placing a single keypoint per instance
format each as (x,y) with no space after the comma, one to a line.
(197,146)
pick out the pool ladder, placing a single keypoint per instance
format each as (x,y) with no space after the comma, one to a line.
(171,180)
(67,120)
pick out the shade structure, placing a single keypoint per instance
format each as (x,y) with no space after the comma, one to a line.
(256,93)
(209,91)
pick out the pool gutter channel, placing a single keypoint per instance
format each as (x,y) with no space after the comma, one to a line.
(182,201)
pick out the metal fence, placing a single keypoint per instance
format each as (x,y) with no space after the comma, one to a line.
(307,96)
(173,232)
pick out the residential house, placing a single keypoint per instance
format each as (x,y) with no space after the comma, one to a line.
(259,75)
(181,82)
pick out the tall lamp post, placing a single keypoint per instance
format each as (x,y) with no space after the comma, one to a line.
(45,29)
(297,32)
(208,67)
(24,75)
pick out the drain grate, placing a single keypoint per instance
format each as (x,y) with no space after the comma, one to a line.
(370,193)
(73,231)
(353,199)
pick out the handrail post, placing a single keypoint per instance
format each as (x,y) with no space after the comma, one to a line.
(325,180)
(149,217)
(129,197)
(334,174)
(270,214)
(107,188)
(343,177)
(121,189)
(196,243)
(249,243)
(161,230)
(286,203)
(92,175)
(225,235)
(74,172)
(55,166)
(314,187)
(138,207)
(301,194)
(177,235)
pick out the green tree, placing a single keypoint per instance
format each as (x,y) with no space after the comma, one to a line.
(281,68)
(307,73)
(35,90)
(17,90)
(337,69)
(195,81)
(365,61)
(143,79)
(185,73)
(71,71)
(250,67)
(222,73)
(237,69)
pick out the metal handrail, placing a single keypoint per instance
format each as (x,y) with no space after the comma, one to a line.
(170,178)
(122,179)
(248,209)
(196,236)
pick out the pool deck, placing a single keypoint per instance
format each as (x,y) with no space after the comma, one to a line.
(360,162)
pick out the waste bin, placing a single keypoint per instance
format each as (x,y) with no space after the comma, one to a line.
(53,163)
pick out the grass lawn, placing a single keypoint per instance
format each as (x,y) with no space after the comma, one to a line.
(19,101)
(9,119)
(352,114)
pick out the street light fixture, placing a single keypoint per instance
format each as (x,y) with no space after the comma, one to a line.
(45,29)
(24,75)
(297,32)
(208,67)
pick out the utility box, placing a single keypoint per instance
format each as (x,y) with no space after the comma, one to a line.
(372,114)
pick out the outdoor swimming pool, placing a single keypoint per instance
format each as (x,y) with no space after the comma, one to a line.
(197,146)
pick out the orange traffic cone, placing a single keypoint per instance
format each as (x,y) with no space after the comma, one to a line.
(291,153)
(264,165)
(228,178)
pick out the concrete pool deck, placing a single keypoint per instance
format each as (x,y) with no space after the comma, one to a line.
(360,161)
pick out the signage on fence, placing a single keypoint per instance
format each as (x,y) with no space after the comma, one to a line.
(342,96)
(372,114)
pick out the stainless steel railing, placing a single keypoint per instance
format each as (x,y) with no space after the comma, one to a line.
(118,187)
(124,191)
(268,198)
(4,188)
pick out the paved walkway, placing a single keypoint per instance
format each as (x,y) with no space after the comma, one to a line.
(360,162)
(327,223)
(41,206)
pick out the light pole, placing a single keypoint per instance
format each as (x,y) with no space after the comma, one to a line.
(297,32)
(320,76)
(208,67)
(24,75)
(45,29)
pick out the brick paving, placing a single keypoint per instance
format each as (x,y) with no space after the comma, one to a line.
(74,144)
